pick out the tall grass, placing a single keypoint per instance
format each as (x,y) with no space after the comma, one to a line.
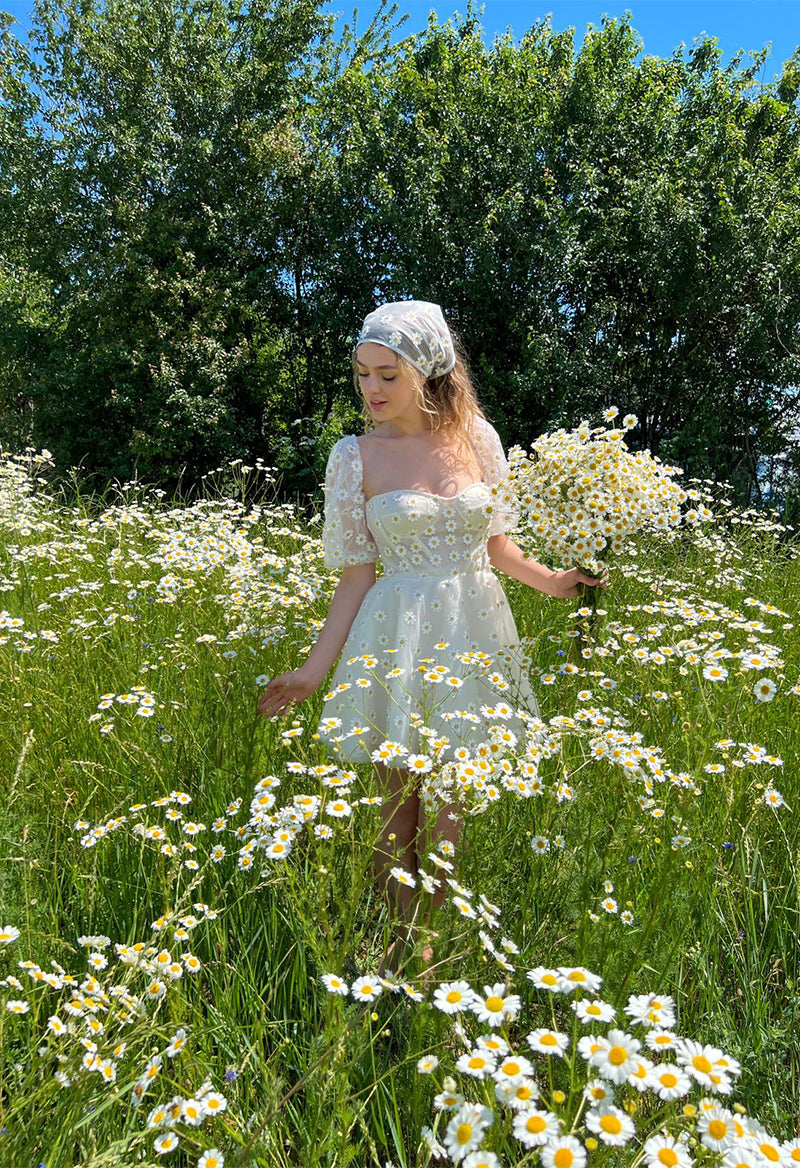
(102,596)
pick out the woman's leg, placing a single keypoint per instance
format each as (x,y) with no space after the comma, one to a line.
(396,846)
(443,828)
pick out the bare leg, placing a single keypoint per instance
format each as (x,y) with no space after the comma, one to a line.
(443,828)
(400,814)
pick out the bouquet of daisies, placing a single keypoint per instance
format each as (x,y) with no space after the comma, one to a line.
(581,493)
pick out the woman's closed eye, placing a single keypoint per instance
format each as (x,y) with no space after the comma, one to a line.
(383,379)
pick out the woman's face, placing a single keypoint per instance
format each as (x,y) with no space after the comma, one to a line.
(387,392)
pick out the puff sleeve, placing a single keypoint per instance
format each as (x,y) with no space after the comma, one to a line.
(346,539)
(494,465)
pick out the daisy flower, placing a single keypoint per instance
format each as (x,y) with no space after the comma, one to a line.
(495,1006)
(212,1158)
(739,1156)
(764,1144)
(427,1064)
(663,1151)
(465,1130)
(616,1058)
(573,977)
(716,1129)
(214,1103)
(593,1010)
(519,1093)
(546,1041)
(545,979)
(611,1124)
(495,1043)
(563,1152)
(334,984)
(448,1101)
(661,1040)
(166,1143)
(512,1067)
(699,1062)
(534,1128)
(598,1091)
(669,1081)
(651,1010)
(477,1063)
(365,989)
(481,1159)
(453,996)
(338,808)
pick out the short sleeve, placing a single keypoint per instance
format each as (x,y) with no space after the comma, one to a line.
(346,539)
(494,464)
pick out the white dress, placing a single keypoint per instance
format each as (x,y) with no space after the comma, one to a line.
(438,599)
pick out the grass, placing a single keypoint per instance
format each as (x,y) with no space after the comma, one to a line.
(105,595)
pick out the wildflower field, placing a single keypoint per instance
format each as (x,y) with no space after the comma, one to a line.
(190,928)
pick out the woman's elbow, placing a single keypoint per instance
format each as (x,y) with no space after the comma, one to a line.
(358,576)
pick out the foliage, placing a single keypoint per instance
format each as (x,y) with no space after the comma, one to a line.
(197,207)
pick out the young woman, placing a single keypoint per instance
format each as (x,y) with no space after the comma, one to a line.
(414,492)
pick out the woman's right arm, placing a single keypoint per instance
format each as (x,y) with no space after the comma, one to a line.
(289,688)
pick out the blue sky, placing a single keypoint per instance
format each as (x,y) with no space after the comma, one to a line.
(661,24)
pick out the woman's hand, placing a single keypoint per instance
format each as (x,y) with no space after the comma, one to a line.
(565,584)
(285,691)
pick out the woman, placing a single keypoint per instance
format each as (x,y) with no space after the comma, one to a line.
(415,493)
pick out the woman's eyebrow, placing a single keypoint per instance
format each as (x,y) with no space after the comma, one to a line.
(377,366)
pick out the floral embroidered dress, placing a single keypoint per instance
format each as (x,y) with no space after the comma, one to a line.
(434,642)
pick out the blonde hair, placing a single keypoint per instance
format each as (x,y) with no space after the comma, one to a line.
(449,400)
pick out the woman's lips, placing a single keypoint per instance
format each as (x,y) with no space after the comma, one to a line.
(376,405)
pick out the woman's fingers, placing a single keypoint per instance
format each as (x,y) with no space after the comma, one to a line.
(275,699)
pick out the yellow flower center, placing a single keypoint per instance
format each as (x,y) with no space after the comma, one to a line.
(535,1124)
(563,1158)
(524,1093)
(464,1133)
(611,1124)
(593,1010)
(494,1004)
(717,1129)
(366,989)
(549,979)
(512,1068)
(549,1040)
(453,996)
(576,975)
(668,1156)
(770,1151)
(663,1040)
(476,1062)
(668,1079)
(617,1055)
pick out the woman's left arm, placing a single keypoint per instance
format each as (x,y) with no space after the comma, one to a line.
(507,557)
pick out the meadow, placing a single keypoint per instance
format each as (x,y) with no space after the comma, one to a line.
(190,929)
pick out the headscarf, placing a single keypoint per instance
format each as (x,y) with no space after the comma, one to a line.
(417,330)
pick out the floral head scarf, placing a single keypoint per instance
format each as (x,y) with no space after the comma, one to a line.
(417,330)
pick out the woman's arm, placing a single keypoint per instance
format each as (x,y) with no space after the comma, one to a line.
(296,685)
(353,586)
(505,555)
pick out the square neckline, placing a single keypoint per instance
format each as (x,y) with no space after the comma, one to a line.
(410,490)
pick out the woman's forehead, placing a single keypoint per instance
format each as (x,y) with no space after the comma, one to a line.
(372,352)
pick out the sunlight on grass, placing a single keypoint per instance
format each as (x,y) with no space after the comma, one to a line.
(190,928)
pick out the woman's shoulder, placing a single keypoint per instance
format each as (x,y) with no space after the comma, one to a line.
(482,428)
(344,445)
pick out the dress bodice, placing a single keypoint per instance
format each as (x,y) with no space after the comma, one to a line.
(414,531)
(433,535)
